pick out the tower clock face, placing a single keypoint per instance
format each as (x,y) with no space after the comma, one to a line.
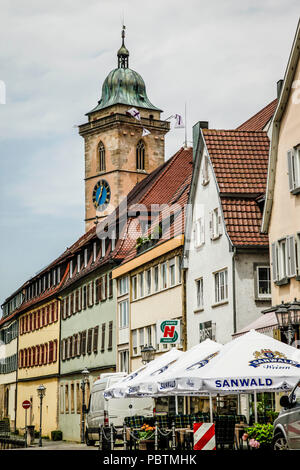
(101,195)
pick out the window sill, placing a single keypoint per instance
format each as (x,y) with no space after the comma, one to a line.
(219,304)
(263,299)
(296,191)
(216,237)
(282,282)
(199,310)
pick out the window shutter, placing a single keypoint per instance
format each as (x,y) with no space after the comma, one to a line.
(67,307)
(62,309)
(45,353)
(291,252)
(220,224)
(211,224)
(97,291)
(79,344)
(103,338)
(105,286)
(55,350)
(274,261)
(74,352)
(290,157)
(76,300)
(89,342)
(50,358)
(110,288)
(88,295)
(95,344)
(93,293)
(100,289)
(110,335)
(71,304)
(56,311)
(83,343)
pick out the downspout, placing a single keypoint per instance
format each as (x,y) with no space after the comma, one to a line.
(184,328)
(234,289)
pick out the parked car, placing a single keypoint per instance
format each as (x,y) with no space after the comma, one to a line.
(105,412)
(287,425)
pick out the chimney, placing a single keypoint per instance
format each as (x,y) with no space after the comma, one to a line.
(279,87)
(196,135)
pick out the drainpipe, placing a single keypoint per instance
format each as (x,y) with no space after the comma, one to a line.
(184,329)
(233,289)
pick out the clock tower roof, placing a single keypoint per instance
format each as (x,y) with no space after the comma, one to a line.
(123,85)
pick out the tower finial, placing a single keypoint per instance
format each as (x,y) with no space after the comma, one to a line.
(123,52)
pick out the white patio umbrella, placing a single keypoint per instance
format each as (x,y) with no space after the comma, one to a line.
(253,362)
(129,385)
(181,377)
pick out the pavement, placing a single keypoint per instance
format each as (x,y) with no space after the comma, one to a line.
(59,445)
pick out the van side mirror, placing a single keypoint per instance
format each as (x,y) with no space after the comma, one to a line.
(285,401)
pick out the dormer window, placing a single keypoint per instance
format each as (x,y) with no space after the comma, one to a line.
(101,156)
(78,263)
(85,257)
(94,251)
(71,268)
(140,156)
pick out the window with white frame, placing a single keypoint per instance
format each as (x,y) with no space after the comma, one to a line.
(141,284)
(134,342)
(221,286)
(156,278)
(149,335)
(298,254)
(215,224)
(172,271)
(205,174)
(85,255)
(148,282)
(199,233)
(124,314)
(199,293)
(284,258)
(134,287)
(293,156)
(263,277)
(141,337)
(78,262)
(124,361)
(163,268)
(207,330)
(123,285)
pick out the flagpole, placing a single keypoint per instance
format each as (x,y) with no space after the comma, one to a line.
(185,127)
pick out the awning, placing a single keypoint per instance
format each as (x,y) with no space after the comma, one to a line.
(264,324)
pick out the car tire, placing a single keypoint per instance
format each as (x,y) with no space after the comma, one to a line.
(279,442)
(88,442)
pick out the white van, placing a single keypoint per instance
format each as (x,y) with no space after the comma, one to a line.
(112,411)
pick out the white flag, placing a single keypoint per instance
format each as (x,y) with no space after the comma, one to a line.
(135,113)
(179,121)
(145,132)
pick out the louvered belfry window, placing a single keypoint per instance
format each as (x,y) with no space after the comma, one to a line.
(102,165)
(140,156)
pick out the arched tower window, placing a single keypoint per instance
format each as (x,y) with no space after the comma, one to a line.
(101,151)
(140,156)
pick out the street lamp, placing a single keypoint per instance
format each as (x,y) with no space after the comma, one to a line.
(41,391)
(84,381)
(287,317)
(148,353)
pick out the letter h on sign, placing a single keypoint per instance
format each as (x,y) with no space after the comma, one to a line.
(169,331)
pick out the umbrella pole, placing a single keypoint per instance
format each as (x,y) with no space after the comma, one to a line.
(176,404)
(255,406)
(211,408)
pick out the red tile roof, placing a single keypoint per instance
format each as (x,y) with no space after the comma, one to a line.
(240,163)
(260,119)
(240,160)
(171,188)
(243,221)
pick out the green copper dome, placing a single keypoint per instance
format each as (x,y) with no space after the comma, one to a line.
(123,85)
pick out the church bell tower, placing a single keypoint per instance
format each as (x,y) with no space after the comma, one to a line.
(117,156)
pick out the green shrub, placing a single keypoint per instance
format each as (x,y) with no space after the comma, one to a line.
(56,435)
(262,433)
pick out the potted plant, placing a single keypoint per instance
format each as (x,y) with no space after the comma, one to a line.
(259,436)
(146,437)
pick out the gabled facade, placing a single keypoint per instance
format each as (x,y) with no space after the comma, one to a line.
(225,254)
(281,218)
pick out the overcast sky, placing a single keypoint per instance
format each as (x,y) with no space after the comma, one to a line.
(223,58)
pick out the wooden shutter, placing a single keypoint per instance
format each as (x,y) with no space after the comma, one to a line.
(76,300)
(62,309)
(71,304)
(45,353)
(55,350)
(97,291)
(105,286)
(50,357)
(291,254)
(110,335)
(110,288)
(103,338)
(100,289)
(67,306)
(290,158)
(79,344)
(83,343)
(89,341)
(274,261)
(42,353)
(56,311)
(95,343)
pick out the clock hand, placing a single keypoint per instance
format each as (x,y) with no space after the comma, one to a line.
(100,195)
